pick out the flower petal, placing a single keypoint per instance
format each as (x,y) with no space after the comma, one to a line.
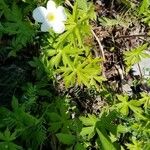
(135,70)
(61,13)
(39,14)
(59,27)
(51,6)
(45,27)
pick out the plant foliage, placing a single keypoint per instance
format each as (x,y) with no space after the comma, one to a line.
(57,97)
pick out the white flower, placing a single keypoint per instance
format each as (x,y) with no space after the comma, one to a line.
(50,17)
(144,67)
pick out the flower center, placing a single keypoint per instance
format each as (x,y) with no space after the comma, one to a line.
(51,16)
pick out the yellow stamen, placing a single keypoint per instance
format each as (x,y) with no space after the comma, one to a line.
(50,17)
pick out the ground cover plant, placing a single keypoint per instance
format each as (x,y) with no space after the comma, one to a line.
(75,75)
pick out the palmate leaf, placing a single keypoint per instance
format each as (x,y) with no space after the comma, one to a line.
(58,56)
(135,145)
(14,24)
(135,56)
(90,70)
(83,72)
(106,123)
(70,80)
(89,123)
(6,141)
(134,105)
(125,105)
(93,71)
(118,21)
(68,139)
(146,101)
(7,136)
(64,37)
(58,117)
(55,121)
(108,22)
(102,125)
(88,132)
(77,25)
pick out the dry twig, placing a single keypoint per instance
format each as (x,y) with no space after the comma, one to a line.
(100,45)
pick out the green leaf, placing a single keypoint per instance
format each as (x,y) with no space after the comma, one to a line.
(88,131)
(136,55)
(79,146)
(144,6)
(55,61)
(121,129)
(84,71)
(9,146)
(55,126)
(124,108)
(78,35)
(89,121)
(108,22)
(16,25)
(54,117)
(135,145)
(7,136)
(70,79)
(14,103)
(123,105)
(82,4)
(106,144)
(146,101)
(67,139)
